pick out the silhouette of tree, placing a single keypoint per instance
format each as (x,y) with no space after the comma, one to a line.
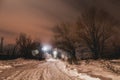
(65,40)
(24,43)
(94,28)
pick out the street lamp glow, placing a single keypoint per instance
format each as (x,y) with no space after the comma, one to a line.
(46,48)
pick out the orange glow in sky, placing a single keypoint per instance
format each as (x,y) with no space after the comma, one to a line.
(37,17)
(34,17)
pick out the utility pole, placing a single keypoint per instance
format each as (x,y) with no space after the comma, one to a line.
(1,44)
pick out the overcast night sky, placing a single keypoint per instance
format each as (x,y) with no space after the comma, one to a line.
(37,17)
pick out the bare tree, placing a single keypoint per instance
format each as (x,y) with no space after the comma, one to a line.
(94,28)
(65,40)
(24,43)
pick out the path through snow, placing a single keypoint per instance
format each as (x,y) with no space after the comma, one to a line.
(50,70)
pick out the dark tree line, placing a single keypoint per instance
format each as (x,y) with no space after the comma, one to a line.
(65,40)
(22,48)
(94,29)
(26,45)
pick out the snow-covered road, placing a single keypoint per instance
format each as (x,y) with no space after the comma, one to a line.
(50,70)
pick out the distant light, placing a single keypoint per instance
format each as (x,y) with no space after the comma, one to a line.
(55,53)
(46,48)
(35,52)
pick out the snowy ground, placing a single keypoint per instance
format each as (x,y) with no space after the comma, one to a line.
(52,69)
(102,69)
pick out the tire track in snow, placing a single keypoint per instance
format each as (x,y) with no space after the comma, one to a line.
(50,70)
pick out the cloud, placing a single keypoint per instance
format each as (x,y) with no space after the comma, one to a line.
(37,17)
(7,32)
(112,7)
(23,15)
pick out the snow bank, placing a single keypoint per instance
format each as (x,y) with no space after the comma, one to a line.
(51,59)
(74,72)
(5,66)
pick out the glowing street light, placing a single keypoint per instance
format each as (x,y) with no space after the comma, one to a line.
(46,48)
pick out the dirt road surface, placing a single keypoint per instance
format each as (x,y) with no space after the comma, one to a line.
(49,70)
